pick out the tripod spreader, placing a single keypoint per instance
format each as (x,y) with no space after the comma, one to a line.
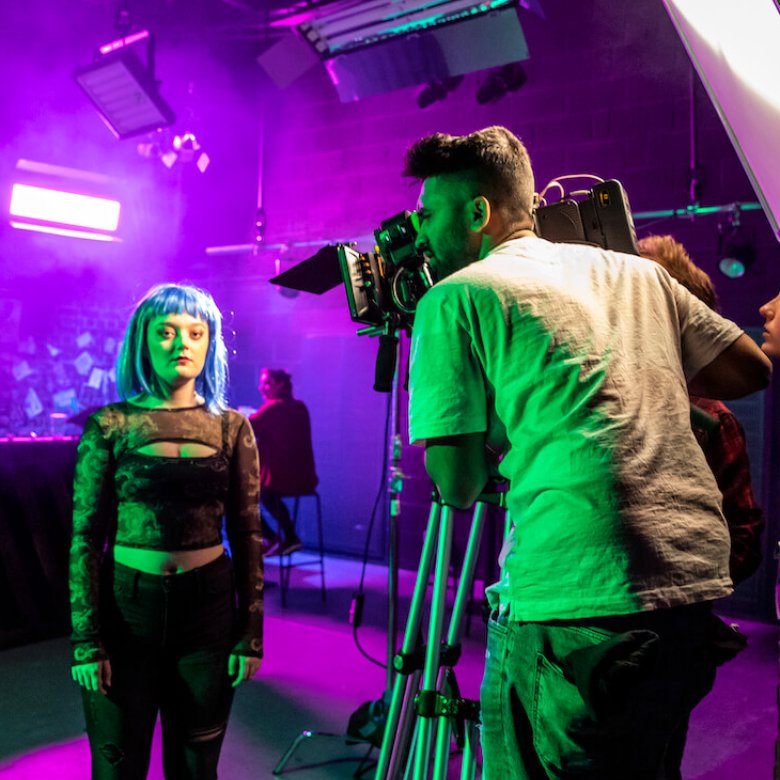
(450,705)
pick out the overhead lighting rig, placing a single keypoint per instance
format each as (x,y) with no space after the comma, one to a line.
(123,89)
(374,47)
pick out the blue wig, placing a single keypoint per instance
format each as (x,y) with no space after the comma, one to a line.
(134,373)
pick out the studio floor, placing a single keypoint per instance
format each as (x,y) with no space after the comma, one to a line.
(314,677)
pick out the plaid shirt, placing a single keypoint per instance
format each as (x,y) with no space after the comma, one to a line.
(723,441)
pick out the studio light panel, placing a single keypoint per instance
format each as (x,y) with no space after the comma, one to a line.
(125,95)
(65,208)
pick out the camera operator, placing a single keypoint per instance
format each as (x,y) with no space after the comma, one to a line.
(574,363)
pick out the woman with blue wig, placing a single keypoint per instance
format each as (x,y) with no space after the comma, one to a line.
(163,619)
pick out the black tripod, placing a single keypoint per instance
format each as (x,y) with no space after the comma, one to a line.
(417,714)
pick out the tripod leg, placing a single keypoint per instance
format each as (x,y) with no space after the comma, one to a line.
(454,634)
(468,769)
(466,582)
(406,727)
(433,648)
(411,635)
(305,735)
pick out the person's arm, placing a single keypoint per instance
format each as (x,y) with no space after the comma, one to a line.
(448,403)
(94,506)
(739,370)
(458,467)
(242,522)
(726,452)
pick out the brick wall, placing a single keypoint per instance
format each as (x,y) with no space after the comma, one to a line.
(608,93)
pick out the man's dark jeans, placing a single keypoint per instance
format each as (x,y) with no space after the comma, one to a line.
(596,699)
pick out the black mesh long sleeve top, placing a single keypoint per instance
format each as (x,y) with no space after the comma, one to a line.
(122,496)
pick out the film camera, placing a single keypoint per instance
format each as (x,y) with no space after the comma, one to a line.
(383,287)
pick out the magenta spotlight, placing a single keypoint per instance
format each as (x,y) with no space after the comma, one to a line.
(65,208)
(122,42)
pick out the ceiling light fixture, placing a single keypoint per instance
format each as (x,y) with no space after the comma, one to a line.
(509,78)
(123,89)
(369,48)
(64,201)
(736,251)
(435,91)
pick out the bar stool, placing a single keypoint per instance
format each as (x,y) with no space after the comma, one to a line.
(286,563)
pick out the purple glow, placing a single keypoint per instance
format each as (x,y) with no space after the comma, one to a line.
(63,231)
(65,759)
(67,208)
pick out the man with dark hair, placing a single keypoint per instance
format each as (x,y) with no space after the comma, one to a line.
(573,364)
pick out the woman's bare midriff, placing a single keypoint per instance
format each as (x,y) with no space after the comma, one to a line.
(165,561)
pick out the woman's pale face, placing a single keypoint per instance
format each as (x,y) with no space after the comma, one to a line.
(770,311)
(270,387)
(178,345)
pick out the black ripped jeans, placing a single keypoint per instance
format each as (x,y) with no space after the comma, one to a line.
(168,640)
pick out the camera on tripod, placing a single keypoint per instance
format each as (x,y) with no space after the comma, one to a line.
(383,287)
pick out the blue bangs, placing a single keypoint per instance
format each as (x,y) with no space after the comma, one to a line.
(134,373)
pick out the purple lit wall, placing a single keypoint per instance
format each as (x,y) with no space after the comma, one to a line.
(607,93)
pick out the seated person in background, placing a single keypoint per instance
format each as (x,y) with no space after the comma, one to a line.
(723,440)
(283,432)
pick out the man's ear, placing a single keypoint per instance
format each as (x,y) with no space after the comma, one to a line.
(480,213)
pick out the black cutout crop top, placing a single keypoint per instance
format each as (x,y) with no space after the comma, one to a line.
(122,496)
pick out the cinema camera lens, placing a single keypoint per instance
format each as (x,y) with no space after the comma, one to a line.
(384,287)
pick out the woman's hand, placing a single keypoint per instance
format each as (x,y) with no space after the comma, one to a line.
(242,667)
(95,676)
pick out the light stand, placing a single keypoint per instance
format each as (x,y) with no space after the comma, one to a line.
(388,378)
(367,723)
(394,486)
